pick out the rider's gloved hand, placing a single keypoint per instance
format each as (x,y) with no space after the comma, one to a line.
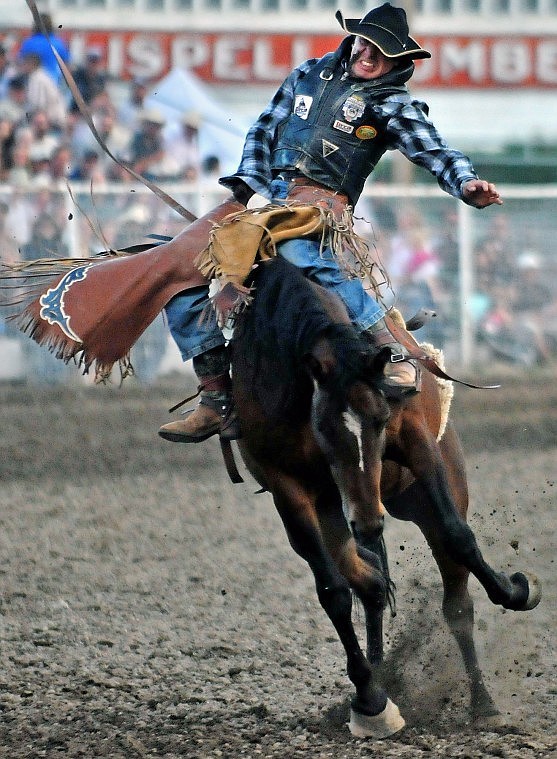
(242,193)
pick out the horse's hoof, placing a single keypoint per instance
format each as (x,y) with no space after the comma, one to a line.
(381,725)
(534,590)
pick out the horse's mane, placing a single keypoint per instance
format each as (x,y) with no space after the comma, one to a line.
(281,327)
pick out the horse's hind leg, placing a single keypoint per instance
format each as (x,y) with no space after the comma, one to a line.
(372,714)
(458,608)
(422,455)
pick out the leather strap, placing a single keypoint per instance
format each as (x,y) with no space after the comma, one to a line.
(229,461)
(414,351)
(220,382)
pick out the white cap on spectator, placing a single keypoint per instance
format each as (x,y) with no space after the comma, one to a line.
(192,119)
(137,214)
(40,153)
(529,259)
(152,116)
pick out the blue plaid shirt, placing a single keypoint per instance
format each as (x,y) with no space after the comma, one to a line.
(409,130)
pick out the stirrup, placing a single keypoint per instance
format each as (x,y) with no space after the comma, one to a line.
(229,426)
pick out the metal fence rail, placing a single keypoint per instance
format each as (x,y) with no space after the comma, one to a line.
(116,215)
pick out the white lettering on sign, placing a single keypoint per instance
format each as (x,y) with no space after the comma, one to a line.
(510,62)
(115,60)
(225,60)
(300,50)
(427,67)
(546,62)
(458,61)
(146,56)
(264,68)
(191,51)
(469,58)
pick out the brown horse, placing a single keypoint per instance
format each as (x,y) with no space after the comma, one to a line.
(320,435)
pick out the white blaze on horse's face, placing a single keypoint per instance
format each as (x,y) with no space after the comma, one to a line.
(354,425)
(350,433)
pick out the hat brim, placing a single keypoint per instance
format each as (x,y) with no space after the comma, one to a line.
(382,38)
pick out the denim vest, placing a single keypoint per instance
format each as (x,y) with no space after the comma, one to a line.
(335,134)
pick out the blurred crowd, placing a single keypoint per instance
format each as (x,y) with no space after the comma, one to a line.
(513,307)
(46,141)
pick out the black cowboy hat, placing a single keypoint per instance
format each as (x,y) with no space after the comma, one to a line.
(387,28)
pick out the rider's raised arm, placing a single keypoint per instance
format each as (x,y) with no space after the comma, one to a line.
(416,137)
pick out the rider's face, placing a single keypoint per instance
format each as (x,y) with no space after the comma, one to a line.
(367,61)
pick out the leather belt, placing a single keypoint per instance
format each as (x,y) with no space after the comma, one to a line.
(298,180)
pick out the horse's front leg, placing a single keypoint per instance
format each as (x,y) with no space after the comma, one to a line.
(358,444)
(372,713)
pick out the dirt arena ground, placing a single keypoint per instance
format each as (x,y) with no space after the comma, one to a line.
(148,607)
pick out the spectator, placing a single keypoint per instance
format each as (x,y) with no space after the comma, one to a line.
(410,227)
(417,284)
(20,172)
(14,104)
(40,169)
(7,71)
(60,165)
(46,240)
(7,141)
(21,214)
(130,110)
(502,241)
(447,248)
(182,148)
(41,45)
(8,242)
(115,137)
(89,169)
(534,301)
(147,151)
(211,167)
(90,78)
(42,139)
(42,93)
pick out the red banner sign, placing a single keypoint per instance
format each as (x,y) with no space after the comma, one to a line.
(247,58)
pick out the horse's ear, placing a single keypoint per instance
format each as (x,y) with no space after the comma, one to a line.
(314,367)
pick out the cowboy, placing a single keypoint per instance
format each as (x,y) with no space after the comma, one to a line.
(325,129)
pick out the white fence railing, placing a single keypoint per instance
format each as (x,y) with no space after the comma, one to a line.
(389,216)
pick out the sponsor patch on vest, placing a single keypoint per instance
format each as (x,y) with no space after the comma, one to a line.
(366,132)
(353,108)
(328,148)
(342,126)
(302,104)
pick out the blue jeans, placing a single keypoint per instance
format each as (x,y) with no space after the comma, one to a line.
(321,266)
(193,333)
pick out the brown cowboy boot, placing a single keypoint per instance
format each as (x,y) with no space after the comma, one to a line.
(215,411)
(401,372)
(211,417)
